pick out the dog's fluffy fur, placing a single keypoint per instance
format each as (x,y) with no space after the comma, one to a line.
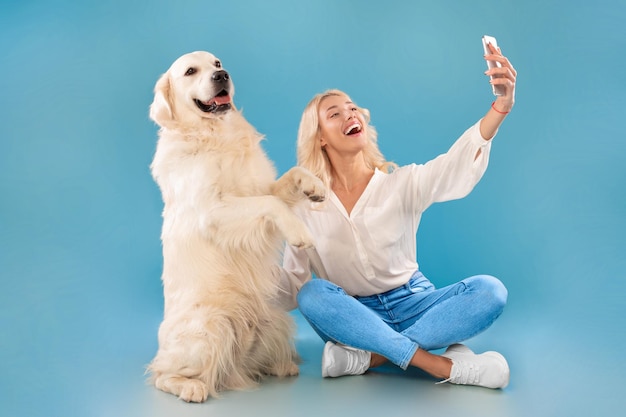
(224,220)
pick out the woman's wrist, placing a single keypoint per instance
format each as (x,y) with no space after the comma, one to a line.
(502,106)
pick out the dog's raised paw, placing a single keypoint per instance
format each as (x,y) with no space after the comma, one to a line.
(301,239)
(295,232)
(307,183)
(315,197)
(313,188)
(300,243)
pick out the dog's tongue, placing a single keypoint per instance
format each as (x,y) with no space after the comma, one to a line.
(219,100)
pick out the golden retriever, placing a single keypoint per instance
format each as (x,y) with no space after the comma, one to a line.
(225,219)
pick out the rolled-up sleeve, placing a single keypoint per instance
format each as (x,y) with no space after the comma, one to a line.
(454,174)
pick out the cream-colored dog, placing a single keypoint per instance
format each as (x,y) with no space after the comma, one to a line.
(224,220)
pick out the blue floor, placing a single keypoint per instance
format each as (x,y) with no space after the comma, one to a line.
(80,256)
(77,371)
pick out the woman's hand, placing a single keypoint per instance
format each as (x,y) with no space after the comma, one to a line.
(503,76)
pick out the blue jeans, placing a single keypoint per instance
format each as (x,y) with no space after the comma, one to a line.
(396,323)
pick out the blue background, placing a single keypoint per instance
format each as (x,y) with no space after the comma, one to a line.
(80,256)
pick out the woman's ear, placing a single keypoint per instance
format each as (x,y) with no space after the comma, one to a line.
(161,107)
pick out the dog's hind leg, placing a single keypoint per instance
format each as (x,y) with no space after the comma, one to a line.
(175,371)
(187,389)
(274,352)
(199,358)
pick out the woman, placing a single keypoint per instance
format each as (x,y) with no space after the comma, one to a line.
(373,304)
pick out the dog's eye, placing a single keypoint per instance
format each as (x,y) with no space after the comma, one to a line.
(190,71)
(218,64)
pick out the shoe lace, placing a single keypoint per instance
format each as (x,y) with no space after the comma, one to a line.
(463,373)
(468,373)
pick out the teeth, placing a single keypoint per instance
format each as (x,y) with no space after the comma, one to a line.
(350,128)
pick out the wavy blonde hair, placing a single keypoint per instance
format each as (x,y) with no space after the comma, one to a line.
(313,157)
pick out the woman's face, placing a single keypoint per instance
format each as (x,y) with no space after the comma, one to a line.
(342,125)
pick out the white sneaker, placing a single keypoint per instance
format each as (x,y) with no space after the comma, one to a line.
(488,369)
(339,360)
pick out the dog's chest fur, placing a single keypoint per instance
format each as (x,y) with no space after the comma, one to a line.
(223,160)
(240,171)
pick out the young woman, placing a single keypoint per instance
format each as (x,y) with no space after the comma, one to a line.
(372,304)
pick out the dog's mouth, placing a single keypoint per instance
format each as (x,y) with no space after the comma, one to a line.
(220,103)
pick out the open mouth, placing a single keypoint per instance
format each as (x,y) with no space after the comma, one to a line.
(220,103)
(353,129)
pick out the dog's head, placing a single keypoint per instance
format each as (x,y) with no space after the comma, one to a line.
(194,88)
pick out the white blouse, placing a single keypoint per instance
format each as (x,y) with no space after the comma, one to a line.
(373,249)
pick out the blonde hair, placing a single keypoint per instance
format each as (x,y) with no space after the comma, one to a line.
(313,157)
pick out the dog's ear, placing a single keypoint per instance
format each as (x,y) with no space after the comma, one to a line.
(161,107)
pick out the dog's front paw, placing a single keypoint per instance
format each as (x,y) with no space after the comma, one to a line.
(295,232)
(300,237)
(311,186)
(297,184)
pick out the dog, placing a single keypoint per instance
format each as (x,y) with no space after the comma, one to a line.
(225,220)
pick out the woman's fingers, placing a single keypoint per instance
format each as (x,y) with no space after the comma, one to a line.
(504,74)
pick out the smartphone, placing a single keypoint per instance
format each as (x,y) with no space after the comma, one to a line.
(498,90)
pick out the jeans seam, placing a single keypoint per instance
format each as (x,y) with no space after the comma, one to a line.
(406,361)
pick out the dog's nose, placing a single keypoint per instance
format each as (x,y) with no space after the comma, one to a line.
(220,77)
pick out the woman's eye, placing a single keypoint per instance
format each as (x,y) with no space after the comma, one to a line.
(334,115)
(218,64)
(190,71)
(354,109)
